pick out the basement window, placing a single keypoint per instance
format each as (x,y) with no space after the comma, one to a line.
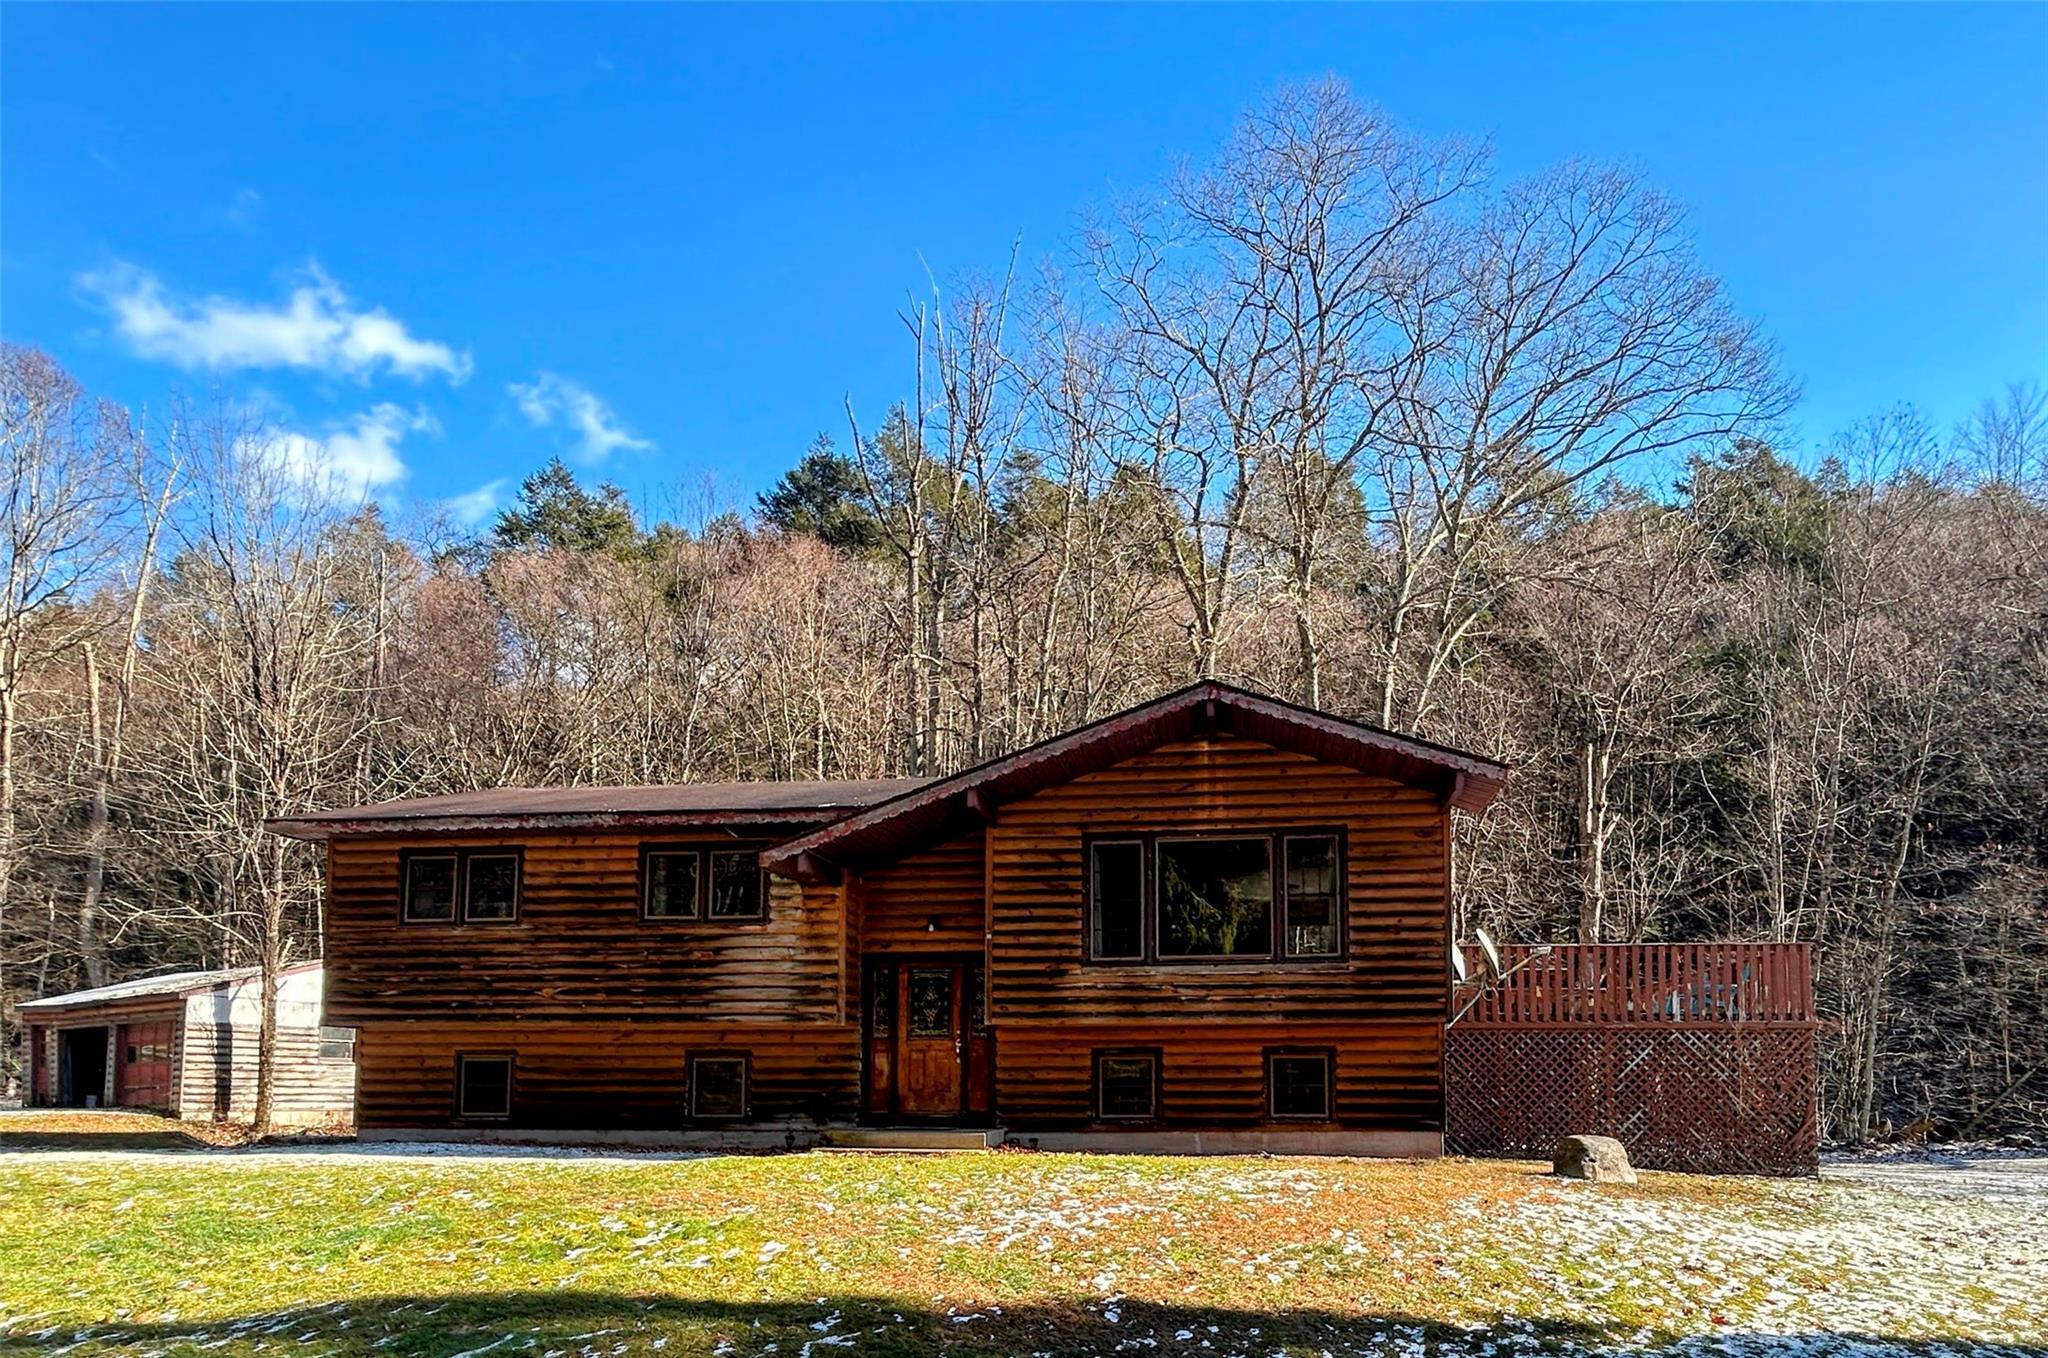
(718,1086)
(483,1086)
(1126,1086)
(1298,1085)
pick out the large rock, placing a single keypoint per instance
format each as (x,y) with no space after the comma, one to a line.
(1600,1159)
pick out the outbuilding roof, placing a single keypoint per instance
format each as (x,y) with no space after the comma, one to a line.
(170,983)
(920,815)
(794,805)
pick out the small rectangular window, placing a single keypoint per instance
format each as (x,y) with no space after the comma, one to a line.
(337,1044)
(483,1086)
(1126,1086)
(1312,895)
(718,1086)
(1215,897)
(736,885)
(1116,893)
(492,888)
(671,885)
(430,887)
(1298,1085)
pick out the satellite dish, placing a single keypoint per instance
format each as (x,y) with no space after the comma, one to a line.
(1458,967)
(1492,953)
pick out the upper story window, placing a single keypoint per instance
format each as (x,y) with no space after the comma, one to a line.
(1224,897)
(678,882)
(484,882)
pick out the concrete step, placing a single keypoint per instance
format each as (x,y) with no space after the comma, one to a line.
(913,1138)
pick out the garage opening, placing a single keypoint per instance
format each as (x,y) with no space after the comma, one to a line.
(82,1067)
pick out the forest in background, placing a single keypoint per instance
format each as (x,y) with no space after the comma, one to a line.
(1338,416)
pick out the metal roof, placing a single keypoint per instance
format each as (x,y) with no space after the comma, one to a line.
(920,815)
(170,983)
(793,805)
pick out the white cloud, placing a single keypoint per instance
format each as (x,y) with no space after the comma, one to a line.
(316,328)
(244,207)
(553,401)
(353,459)
(472,507)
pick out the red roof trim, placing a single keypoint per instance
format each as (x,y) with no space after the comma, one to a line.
(1465,781)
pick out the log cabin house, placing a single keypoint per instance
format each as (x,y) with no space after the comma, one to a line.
(185,1043)
(1215,921)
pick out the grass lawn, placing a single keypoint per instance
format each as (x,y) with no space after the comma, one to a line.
(317,1253)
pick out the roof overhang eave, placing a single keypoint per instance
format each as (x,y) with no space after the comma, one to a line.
(320,829)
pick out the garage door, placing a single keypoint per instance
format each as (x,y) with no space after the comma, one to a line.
(143,1076)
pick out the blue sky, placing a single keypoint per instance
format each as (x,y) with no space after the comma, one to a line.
(671,242)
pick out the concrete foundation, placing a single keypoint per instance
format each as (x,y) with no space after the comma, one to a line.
(806,1136)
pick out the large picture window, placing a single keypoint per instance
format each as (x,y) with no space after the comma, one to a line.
(1215,897)
(1250,896)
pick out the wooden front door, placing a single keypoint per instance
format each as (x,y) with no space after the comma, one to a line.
(931,1043)
(142,1075)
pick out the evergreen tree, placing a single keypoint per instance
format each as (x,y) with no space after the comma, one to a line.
(556,513)
(821,496)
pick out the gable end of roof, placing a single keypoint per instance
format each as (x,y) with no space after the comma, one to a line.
(1465,781)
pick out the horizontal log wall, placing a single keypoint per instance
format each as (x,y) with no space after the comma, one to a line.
(614,1074)
(1397,894)
(1213,1074)
(929,902)
(579,948)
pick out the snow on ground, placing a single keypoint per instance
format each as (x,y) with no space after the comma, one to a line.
(1932,1255)
(1940,1255)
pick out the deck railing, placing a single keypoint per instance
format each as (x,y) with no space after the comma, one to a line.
(1698,1056)
(1665,983)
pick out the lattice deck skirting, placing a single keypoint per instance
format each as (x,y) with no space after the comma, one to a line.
(1728,1094)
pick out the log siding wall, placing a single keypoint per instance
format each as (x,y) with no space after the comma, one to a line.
(602,1008)
(579,948)
(577,1076)
(1380,1009)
